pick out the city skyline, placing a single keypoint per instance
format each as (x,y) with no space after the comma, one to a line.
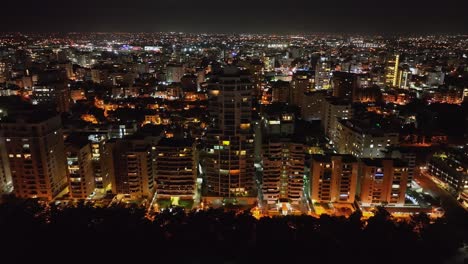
(234,148)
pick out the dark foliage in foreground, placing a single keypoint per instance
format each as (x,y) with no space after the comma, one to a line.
(84,234)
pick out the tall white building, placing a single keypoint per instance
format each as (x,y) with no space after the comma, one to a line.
(363,141)
(334,109)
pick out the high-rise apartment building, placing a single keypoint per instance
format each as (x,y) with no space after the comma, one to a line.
(101,162)
(5,173)
(229,165)
(363,140)
(80,168)
(408,155)
(280,92)
(312,105)
(132,168)
(279,119)
(451,168)
(56,94)
(333,178)
(175,168)
(302,82)
(344,85)
(383,181)
(334,110)
(391,70)
(52,89)
(404,78)
(283,171)
(323,73)
(36,154)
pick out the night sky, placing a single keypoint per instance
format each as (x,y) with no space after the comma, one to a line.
(240,16)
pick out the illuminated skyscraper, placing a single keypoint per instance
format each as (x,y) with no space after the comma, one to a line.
(229,165)
(323,74)
(391,70)
(404,77)
(102,162)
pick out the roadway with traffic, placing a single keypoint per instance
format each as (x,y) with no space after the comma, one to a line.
(454,211)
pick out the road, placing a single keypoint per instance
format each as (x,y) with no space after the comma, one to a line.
(454,212)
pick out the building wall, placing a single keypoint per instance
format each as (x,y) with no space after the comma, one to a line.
(101,163)
(301,84)
(362,145)
(57,94)
(451,172)
(174,73)
(229,165)
(331,114)
(5,173)
(281,92)
(36,156)
(175,171)
(283,171)
(383,183)
(322,74)
(132,168)
(80,171)
(312,105)
(391,70)
(334,180)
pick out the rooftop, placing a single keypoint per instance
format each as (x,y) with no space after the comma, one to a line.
(379,162)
